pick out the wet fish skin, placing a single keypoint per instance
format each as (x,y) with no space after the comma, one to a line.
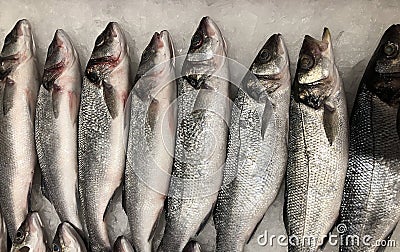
(67,239)
(318,145)
(56,127)
(102,130)
(29,236)
(203,120)
(257,147)
(122,245)
(151,140)
(371,199)
(19,87)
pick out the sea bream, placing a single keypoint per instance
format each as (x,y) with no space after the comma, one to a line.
(257,147)
(67,239)
(371,200)
(151,140)
(56,127)
(103,130)
(19,85)
(202,133)
(30,237)
(317,146)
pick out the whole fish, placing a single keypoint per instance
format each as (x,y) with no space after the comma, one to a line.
(200,149)
(3,234)
(29,236)
(318,146)
(371,200)
(19,81)
(151,140)
(67,239)
(102,130)
(122,245)
(56,127)
(257,148)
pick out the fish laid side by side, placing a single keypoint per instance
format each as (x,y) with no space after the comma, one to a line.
(318,146)
(19,84)
(67,239)
(257,148)
(102,130)
(56,127)
(371,200)
(30,236)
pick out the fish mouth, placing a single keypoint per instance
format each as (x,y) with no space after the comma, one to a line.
(167,40)
(23,28)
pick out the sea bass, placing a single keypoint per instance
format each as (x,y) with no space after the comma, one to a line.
(371,201)
(56,127)
(257,148)
(318,146)
(103,130)
(67,239)
(151,140)
(200,149)
(122,245)
(29,236)
(19,84)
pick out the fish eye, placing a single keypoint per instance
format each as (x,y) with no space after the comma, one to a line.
(306,62)
(99,40)
(390,49)
(264,55)
(56,248)
(146,55)
(197,40)
(19,236)
(7,40)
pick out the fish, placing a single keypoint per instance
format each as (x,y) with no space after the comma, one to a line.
(19,85)
(151,140)
(192,246)
(257,147)
(204,109)
(122,245)
(103,130)
(67,239)
(56,127)
(317,146)
(371,199)
(29,236)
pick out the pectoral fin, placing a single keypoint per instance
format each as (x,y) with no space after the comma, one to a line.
(331,123)
(8,95)
(113,198)
(267,117)
(111,99)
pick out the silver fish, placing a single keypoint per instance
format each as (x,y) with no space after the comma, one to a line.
(257,148)
(103,130)
(29,236)
(200,149)
(151,140)
(318,146)
(67,239)
(371,200)
(19,81)
(122,245)
(56,127)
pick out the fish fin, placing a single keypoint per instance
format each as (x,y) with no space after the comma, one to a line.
(155,225)
(255,229)
(331,121)
(266,117)
(8,95)
(204,222)
(110,97)
(55,99)
(113,198)
(73,106)
(123,196)
(29,199)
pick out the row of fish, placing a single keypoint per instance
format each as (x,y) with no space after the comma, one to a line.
(196,146)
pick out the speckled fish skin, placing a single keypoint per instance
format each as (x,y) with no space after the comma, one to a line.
(56,127)
(29,236)
(19,81)
(102,130)
(371,200)
(67,239)
(200,149)
(151,140)
(257,148)
(318,146)
(122,245)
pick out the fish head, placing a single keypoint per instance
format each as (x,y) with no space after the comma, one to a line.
(270,67)
(109,50)
(313,82)
(67,239)
(385,81)
(206,53)
(192,246)
(29,236)
(18,47)
(61,56)
(122,245)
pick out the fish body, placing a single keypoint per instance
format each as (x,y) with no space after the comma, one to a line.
(67,239)
(151,141)
(29,236)
(201,140)
(19,87)
(3,234)
(122,245)
(318,146)
(371,200)
(56,127)
(102,130)
(257,148)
